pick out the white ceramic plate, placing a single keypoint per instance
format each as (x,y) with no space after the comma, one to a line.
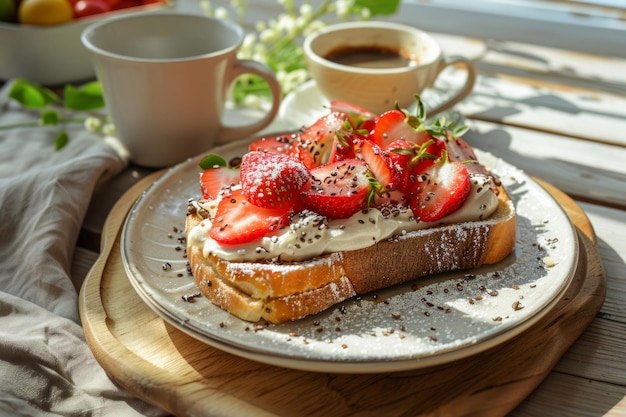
(449,316)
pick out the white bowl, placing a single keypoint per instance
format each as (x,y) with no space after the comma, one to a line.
(54,55)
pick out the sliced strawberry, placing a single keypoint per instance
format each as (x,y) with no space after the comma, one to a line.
(238,221)
(440,190)
(426,154)
(338,189)
(358,116)
(396,124)
(343,148)
(410,159)
(213,181)
(312,147)
(401,154)
(272,180)
(275,144)
(380,164)
(460,150)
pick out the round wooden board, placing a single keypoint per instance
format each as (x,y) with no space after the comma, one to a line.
(184,376)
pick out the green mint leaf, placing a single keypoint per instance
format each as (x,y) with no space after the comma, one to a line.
(49,117)
(61,140)
(211,161)
(31,95)
(86,97)
(378,7)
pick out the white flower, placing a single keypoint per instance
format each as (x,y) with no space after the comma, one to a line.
(313,27)
(109,129)
(291,80)
(269,35)
(253,101)
(222,13)
(343,8)
(306,10)
(286,23)
(93,124)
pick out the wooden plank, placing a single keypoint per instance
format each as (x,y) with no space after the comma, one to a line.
(600,176)
(609,226)
(543,106)
(598,353)
(567,395)
(568,65)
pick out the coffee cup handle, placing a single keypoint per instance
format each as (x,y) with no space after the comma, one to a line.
(246,66)
(465,91)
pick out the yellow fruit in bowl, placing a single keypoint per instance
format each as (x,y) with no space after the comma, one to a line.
(45,12)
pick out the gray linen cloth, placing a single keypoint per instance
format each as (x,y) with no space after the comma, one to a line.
(46,367)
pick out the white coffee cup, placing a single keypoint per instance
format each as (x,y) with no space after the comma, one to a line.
(408,61)
(165,80)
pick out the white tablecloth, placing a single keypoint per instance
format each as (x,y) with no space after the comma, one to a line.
(46,367)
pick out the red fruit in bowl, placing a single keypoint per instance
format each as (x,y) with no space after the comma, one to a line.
(84,8)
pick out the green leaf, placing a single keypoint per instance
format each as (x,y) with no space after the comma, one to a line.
(61,140)
(31,95)
(378,7)
(460,131)
(49,117)
(211,161)
(86,97)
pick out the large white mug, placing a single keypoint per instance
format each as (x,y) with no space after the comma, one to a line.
(375,64)
(165,80)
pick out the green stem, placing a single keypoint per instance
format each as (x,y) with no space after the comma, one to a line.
(323,9)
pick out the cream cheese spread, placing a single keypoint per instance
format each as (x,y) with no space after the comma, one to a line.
(311,234)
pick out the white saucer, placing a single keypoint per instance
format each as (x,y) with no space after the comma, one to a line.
(307,103)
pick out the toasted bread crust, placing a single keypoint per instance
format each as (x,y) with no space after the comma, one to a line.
(278,292)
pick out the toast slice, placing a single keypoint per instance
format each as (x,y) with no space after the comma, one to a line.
(284,291)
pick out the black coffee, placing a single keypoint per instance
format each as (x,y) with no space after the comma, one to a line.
(370,57)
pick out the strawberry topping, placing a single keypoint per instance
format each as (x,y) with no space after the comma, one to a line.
(272,180)
(275,144)
(442,189)
(338,189)
(214,181)
(238,221)
(380,164)
(345,162)
(314,144)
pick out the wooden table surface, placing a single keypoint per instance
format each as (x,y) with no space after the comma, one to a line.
(561,117)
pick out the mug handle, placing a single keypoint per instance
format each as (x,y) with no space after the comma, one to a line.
(463,92)
(247,66)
